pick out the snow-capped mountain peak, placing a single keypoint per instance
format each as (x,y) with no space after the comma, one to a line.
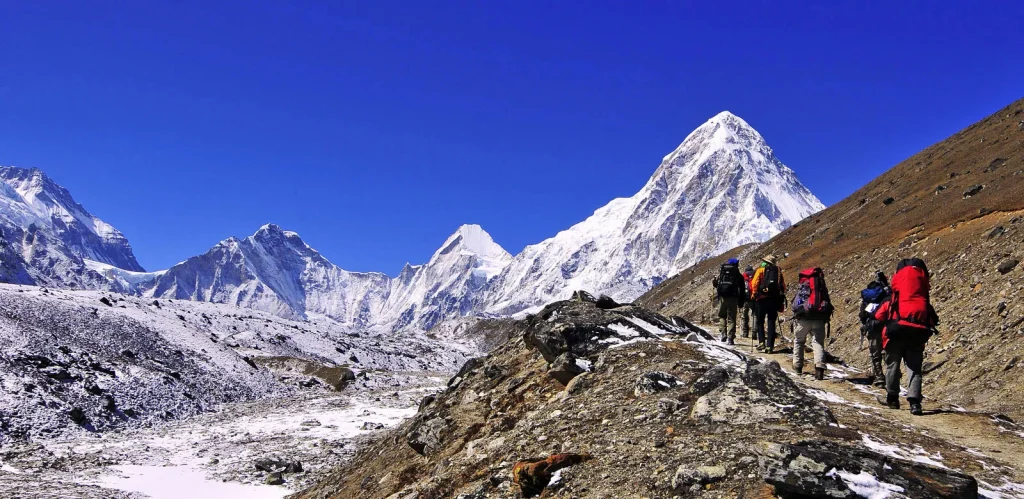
(473,240)
(722,187)
(47,237)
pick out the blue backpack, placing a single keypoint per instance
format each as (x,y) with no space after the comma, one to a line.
(874,294)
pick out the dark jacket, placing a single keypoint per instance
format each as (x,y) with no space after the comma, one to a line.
(739,288)
(870,325)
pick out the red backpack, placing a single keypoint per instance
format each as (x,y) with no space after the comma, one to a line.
(812,300)
(910,308)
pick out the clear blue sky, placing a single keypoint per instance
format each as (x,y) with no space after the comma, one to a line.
(374,129)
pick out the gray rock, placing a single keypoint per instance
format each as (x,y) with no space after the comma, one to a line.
(1007,266)
(973,190)
(815,469)
(275,478)
(579,383)
(712,474)
(686,477)
(565,368)
(709,381)
(583,296)
(654,382)
(763,394)
(425,436)
(669,407)
(585,330)
(606,302)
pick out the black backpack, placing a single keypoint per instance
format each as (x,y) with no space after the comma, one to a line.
(770,282)
(727,283)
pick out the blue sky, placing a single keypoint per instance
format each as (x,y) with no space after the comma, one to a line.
(374,129)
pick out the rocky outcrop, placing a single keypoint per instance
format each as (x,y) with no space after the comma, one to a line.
(660,412)
(828,469)
(426,436)
(761,394)
(583,329)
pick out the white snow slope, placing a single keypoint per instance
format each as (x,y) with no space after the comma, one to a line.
(722,187)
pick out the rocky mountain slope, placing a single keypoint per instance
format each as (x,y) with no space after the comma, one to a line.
(959,205)
(46,237)
(585,400)
(722,187)
(76,362)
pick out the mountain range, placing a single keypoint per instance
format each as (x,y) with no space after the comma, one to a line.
(722,187)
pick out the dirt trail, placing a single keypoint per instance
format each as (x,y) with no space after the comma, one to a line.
(989,446)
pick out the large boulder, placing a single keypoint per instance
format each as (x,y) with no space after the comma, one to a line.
(565,368)
(581,328)
(824,468)
(763,393)
(425,436)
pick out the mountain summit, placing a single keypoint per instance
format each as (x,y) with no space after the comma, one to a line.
(722,187)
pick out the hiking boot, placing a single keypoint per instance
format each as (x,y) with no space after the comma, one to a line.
(769,350)
(890,402)
(760,347)
(731,341)
(799,369)
(819,373)
(724,339)
(915,409)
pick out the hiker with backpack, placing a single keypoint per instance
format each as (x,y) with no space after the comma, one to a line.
(748,304)
(768,291)
(909,322)
(731,294)
(872,297)
(812,311)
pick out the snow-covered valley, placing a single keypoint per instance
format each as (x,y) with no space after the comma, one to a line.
(215,454)
(102,392)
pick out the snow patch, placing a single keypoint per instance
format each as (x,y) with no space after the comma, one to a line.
(866,485)
(173,482)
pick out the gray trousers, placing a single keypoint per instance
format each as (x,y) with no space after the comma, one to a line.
(875,349)
(745,312)
(728,312)
(910,353)
(815,329)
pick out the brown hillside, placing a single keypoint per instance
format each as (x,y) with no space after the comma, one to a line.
(929,206)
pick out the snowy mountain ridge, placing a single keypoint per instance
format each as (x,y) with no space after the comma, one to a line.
(722,187)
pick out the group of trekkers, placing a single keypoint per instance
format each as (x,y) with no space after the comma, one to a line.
(896,318)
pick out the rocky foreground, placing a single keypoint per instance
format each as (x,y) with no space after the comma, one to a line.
(592,399)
